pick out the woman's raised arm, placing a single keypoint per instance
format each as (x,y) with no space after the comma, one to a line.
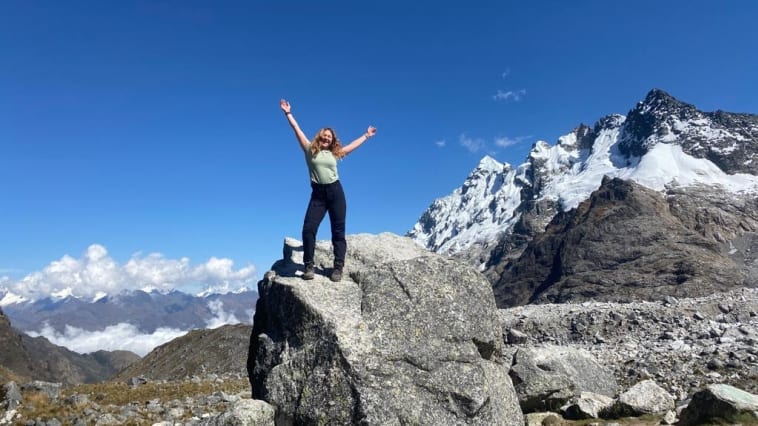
(370,132)
(301,138)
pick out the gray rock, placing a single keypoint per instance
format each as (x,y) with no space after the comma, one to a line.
(107,419)
(134,382)
(245,412)
(543,419)
(547,376)
(11,396)
(720,403)
(515,336)
(51,390)
(540,390)
(669,418)
(364,251)
(77,400)
(645,397)
(414,339)
(7,417)
(587,405)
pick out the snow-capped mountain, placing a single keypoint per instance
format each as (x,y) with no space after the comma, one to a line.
(660,144)
(483,206)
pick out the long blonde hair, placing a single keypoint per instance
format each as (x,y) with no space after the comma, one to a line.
(335,148)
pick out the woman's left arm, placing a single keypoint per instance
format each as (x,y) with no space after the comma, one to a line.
(370,132)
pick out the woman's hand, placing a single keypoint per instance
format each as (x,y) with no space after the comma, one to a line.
(285,106)
(371,131)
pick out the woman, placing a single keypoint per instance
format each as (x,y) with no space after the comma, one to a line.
(321,155)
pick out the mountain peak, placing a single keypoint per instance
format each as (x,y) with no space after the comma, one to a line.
(658,95)
(490,164)
(660,103)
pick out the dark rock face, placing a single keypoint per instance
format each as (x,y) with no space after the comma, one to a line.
(627,242)
(13,356)
(409,338)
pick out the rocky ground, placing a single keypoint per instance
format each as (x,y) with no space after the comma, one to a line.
(192,401)
(682,344)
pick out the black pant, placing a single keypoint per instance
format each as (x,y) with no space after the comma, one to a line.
(329,197)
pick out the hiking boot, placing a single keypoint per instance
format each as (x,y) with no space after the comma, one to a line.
(336,275)
(310,272)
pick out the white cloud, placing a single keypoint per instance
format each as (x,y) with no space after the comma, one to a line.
(472,144)
(122,336)
(127,337)
(96,273)
(440,143)
(505,73)
(505,142)
(510,95)
(220,317)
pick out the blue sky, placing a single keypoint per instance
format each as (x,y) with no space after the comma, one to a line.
(152,129)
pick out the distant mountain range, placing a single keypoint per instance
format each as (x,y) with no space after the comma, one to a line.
(146,311)
(566,224)
(190,317)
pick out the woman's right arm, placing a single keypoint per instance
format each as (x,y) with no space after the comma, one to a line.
(304,142)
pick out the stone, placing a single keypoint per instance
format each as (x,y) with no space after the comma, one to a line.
(244,412)
(547,376)
(11,396)
(646,397)
(587,405)
(720,403)
(412,337)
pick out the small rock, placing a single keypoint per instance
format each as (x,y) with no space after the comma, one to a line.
(516,336)
(669,418)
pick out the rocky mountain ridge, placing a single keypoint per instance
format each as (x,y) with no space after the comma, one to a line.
(665,145)
(630,243)
(202,352)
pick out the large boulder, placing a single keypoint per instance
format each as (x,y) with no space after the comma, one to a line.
(719,403)
(409,337)
(646,397)
(548,376)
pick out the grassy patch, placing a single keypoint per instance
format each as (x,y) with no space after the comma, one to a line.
(110,397)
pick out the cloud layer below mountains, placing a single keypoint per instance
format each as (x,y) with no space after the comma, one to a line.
(96,274)
(125,336)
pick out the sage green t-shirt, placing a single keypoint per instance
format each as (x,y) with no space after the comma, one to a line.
(322,166)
